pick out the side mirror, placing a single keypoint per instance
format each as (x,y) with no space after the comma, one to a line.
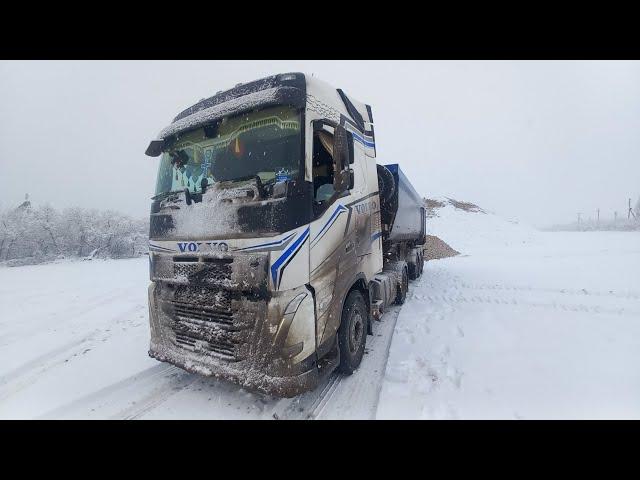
(342,148)
(342,181)
(350,147)
(155,148)
(342,158)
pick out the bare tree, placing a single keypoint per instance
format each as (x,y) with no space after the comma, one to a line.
(42,234)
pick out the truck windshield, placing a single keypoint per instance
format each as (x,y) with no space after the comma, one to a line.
(264,143)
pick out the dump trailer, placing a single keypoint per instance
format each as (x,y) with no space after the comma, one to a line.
(275,238)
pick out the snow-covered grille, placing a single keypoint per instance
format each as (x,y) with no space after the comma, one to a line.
(208,272)
(202,320)
(224,348)
(215,302)
(207,314)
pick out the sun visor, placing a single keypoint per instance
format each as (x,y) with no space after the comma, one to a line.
(280,95)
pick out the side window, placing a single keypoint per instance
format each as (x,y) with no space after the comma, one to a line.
(323,174)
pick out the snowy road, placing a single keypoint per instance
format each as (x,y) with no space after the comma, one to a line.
(548,328)
(74,340)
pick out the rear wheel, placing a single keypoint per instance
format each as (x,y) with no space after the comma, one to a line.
(401,294)
(352,334)
(414,271)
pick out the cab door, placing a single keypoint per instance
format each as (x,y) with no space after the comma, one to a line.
(332,256)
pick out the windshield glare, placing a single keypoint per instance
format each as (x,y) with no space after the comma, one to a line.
(265,143)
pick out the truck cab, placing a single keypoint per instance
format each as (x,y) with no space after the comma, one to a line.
(265,234)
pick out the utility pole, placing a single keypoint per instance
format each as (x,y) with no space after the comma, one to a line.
(579,218)
(615,216)
(598,216)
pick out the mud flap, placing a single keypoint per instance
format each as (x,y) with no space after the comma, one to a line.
(328,363)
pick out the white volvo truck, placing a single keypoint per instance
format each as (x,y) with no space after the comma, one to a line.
(275,238)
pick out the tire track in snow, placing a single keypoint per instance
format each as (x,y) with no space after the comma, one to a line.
(100,398)
(512,301)
(139,408)
(562,291)
(28,373)
(306,406)
(65,319)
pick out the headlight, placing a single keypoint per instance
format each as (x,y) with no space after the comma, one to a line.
(294,304)
(289,351)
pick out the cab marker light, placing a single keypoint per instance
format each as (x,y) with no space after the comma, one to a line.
(287,76)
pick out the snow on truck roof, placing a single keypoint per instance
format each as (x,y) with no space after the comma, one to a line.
(286,88)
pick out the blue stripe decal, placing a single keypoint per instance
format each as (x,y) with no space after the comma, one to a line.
(375,236)
(277,242)
(162,249)
(276,265)
(340,209)
(363,141)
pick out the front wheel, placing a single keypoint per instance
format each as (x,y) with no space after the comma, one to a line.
(352,334)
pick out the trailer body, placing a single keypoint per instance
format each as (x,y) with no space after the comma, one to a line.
(266,220)
(409,220)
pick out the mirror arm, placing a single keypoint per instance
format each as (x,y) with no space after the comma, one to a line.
(319,124)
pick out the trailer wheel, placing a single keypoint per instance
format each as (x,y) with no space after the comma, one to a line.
(401,295)
(352,334)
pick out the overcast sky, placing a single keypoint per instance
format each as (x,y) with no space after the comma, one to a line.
(538,141)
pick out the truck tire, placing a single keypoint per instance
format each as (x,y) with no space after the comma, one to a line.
(414,269)
(352,333)
(401,294)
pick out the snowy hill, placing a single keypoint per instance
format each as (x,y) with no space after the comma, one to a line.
(471,230)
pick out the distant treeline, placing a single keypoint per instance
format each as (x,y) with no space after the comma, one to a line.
(31,235)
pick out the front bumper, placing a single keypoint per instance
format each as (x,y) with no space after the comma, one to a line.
(247,376)
(237,336)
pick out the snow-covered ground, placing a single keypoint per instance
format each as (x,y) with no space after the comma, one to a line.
(73,344)
(523,324)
